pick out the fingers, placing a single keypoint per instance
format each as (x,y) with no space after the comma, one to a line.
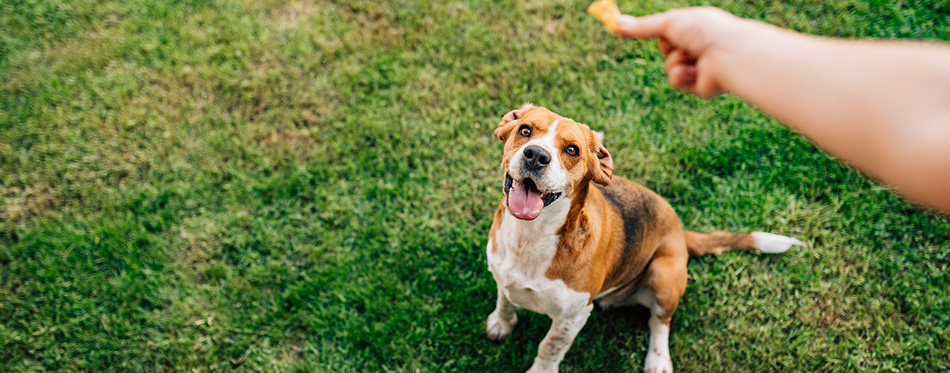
(680,69)
(645,27)
(682,77)
(683,37)
(676,57)
(665,46)
(683,73)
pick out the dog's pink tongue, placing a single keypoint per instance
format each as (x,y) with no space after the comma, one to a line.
(524,204)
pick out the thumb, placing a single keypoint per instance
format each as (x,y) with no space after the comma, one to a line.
(646,27)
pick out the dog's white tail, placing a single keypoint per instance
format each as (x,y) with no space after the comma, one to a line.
(773,243)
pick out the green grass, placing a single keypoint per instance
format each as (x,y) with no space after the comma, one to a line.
(268,185)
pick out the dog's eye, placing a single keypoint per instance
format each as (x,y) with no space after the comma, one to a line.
(572,151)
(524,131)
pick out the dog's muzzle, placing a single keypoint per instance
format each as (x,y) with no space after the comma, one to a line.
(525,200)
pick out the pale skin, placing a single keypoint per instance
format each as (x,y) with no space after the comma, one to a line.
(882,106)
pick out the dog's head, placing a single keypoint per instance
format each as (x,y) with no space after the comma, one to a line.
(548,157)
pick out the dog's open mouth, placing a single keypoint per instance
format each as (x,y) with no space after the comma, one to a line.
(525,201)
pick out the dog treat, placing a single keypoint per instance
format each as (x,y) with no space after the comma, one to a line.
(607,12)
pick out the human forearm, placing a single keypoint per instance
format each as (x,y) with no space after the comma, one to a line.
(882,106)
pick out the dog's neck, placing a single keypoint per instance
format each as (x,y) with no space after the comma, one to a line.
(535,237)
(578,202)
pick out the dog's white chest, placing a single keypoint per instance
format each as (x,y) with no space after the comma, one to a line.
(523,254)
(526,289)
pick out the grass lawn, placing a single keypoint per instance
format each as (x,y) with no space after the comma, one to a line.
(296,185)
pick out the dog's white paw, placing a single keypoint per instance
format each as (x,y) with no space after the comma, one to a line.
(499,328)
(657,363)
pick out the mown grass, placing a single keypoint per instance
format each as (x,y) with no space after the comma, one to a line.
(290,185)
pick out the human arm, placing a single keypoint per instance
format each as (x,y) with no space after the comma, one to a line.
(882,106)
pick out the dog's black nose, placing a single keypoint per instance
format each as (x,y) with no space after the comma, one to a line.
(536,158)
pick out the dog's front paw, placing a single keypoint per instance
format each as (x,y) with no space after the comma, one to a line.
(541,366)
(657,363)
(499,328)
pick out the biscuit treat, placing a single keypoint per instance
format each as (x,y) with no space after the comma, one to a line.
(607,12)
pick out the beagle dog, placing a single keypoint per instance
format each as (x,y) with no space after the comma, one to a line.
(567,233)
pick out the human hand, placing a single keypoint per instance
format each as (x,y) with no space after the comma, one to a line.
(694,41)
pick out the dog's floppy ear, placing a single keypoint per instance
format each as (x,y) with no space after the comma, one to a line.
(602,164)
(508,121)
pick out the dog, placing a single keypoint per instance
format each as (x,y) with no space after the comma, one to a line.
(568,233)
